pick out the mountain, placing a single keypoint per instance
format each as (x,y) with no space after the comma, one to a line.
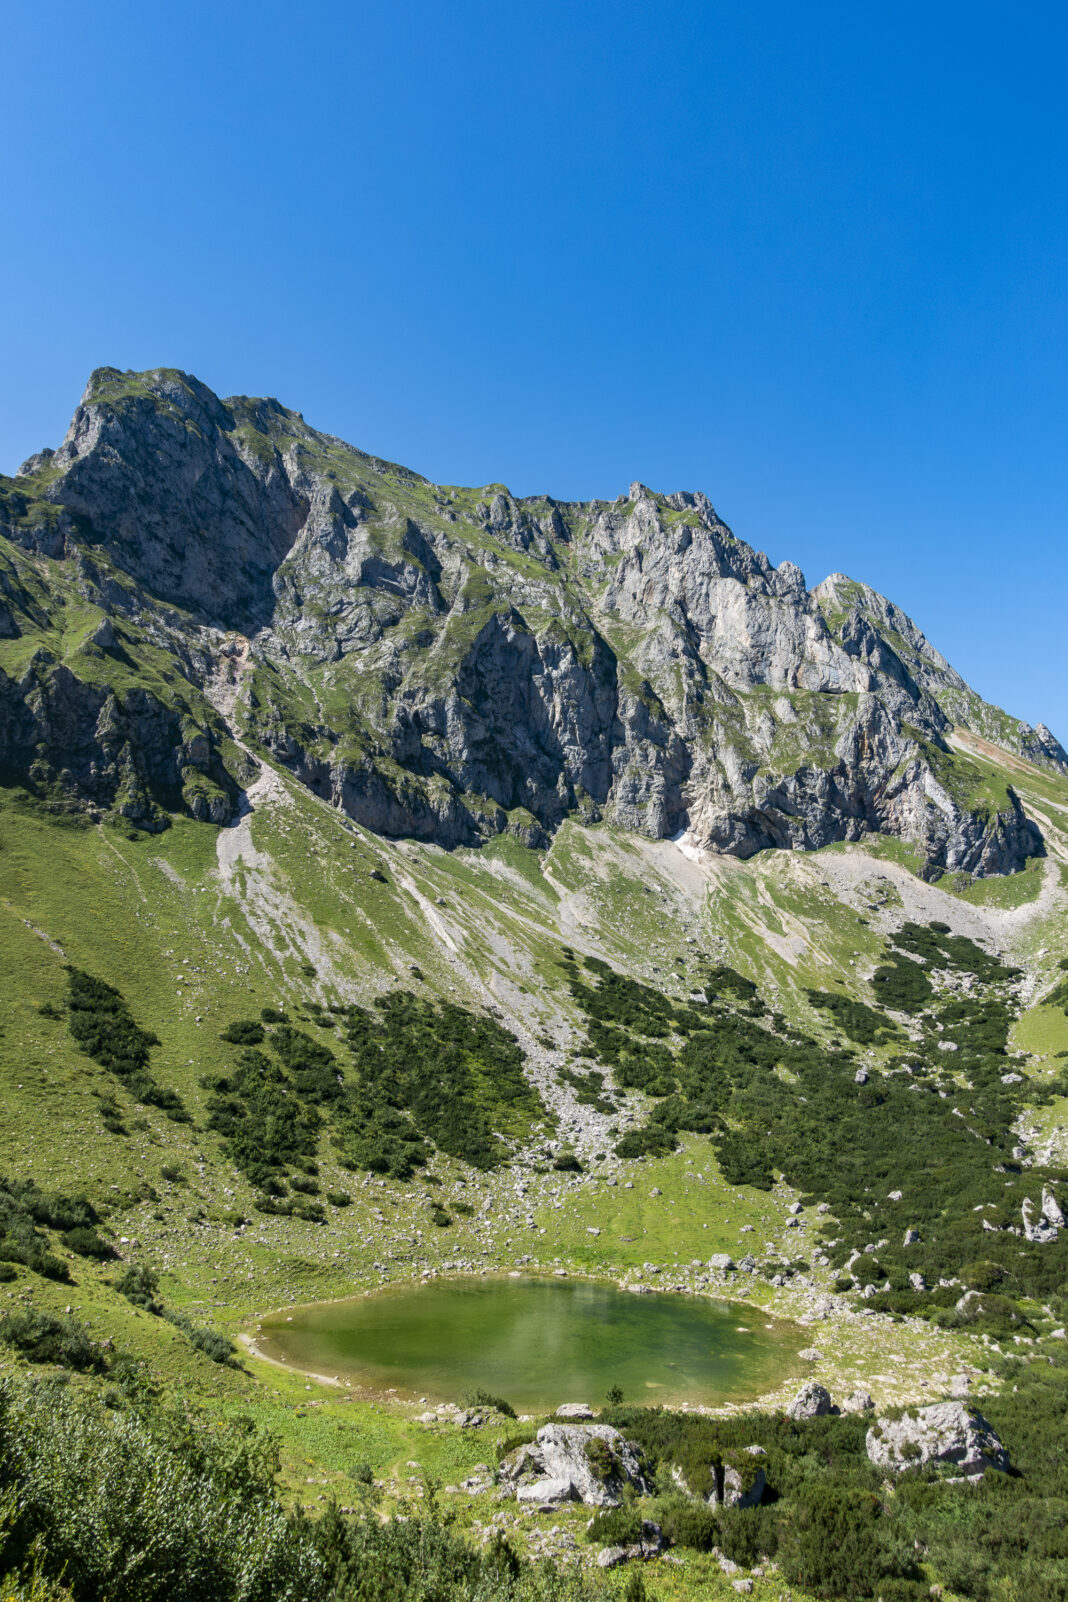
(188,581)
(400,883)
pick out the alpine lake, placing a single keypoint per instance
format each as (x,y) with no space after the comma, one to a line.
(538,1342)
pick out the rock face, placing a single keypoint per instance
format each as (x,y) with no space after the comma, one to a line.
(949,1433)
(449,664)
(588,1463)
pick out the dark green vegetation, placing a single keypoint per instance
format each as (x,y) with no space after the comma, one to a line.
(933,1121)
(104,1028)
(453,1076)
(835,1528)
(421,1077)
(24,1209)
(182,1507)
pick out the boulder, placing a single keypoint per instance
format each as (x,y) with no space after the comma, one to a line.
(950,1433)
(735,1482)
(742,1485)
(610,1557)
(593,1461)
(858,1402)
(574,1410)
(547,1491)
(721,1260)
(1051,1209)
(812,1401)
(1040,1228)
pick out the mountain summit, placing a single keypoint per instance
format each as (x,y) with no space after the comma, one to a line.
(189,584)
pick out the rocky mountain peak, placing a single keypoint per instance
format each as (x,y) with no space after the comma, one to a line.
(450,662)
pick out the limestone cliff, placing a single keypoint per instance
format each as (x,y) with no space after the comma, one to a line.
(184,572)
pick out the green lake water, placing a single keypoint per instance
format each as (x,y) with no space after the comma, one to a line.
(538,1343)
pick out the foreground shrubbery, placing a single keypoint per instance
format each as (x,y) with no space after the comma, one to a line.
(132,1503)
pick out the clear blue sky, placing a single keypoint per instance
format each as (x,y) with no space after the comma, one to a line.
(808,258)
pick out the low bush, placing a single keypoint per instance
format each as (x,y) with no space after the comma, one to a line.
(243,1032)
(43,1338)
(480,1398)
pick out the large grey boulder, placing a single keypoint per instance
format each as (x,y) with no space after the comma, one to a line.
(812,1401)
(950,1433)
(592,1461)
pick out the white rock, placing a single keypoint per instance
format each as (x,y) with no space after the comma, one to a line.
(950,1433)
(812,1401)
(560,1455)
(609,1557)
(545,1491)
(574,1410)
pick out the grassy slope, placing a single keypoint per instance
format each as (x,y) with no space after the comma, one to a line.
(154,917)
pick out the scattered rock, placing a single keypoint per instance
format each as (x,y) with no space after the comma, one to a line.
(1039,1229)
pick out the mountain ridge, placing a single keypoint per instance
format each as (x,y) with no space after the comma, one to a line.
(449,664)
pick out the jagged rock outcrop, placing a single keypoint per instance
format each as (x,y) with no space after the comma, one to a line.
(589,1463)
(952,1434)
(450,663)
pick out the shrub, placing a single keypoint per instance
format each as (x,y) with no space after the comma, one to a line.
(480,1398)
(615,1526)
(103,1026)
(139,1284)
(209,1341)
(691,1524)
(243,1032)
(43,1338)
(87,1243)
(175,1512)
